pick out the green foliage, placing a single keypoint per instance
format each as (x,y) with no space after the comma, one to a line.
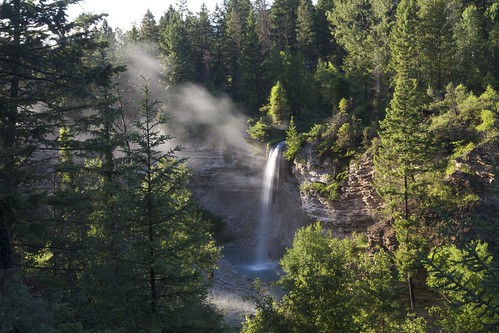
(463,122)
(217,226)
(436,43)
(261,129)
(177,49)
(489,121)
(277,108)
(282,17)
(305,32)
(412,324)
(21,310)
(267,317)
(148,31)
(332,85)
(164,244)
(293,141)
(298,82)
(107,226)
(404,151)
(362,29)
(254,63)
(269,127)
(48,74)
(467,277)
(329,191)
(413,245)
(330,286)
(339,136)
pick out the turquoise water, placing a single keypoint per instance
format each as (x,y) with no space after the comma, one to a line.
(244,263)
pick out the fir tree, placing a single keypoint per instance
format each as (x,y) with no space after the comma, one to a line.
(403,42)
(362,29)
(253,66)
(436,41)
(283,23)
(466,275)
(277,108)
(202,41)
(177,49)
(401,160)
(148,30)
(161,244)
(306,42)
(47,73)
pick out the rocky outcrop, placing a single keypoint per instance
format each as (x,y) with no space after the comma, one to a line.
(354,210)
(477,169)
(476,173)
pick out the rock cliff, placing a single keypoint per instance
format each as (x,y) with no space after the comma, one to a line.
(354,210)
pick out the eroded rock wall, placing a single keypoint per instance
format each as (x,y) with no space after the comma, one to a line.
(354,210)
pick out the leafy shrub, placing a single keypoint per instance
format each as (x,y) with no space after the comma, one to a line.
(329,191)
(489,121)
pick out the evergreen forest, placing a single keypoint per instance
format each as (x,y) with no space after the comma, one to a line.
(100,233)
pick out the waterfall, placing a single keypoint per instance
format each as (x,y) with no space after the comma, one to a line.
(268,196)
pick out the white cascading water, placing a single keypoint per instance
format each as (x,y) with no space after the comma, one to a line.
(270,183)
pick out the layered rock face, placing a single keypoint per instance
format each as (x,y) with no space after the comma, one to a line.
(354,210)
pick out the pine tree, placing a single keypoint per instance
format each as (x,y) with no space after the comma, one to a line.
(298,82)
(404,151)
(326,45)
(277,108)
(202,41)
(466,275)
(471,46)
(253,64)
(403,145)
(50,75)
(148,30)
(437,47)
(156,247)
(306,41)
(293,141)
(235,29)
(262,22)
(176,45)
(400,163)
(47,72)
(283,23)
(403,42)
(362,29)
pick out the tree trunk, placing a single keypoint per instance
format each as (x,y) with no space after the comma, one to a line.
(5,246)
(8,138)
(152,272)
(410,287)
(406,198)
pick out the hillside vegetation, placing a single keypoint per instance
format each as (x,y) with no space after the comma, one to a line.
(98,230)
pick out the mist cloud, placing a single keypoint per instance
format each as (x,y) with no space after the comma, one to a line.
(197,118)
(192,105)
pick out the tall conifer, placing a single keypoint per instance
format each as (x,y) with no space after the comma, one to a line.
(403,153)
